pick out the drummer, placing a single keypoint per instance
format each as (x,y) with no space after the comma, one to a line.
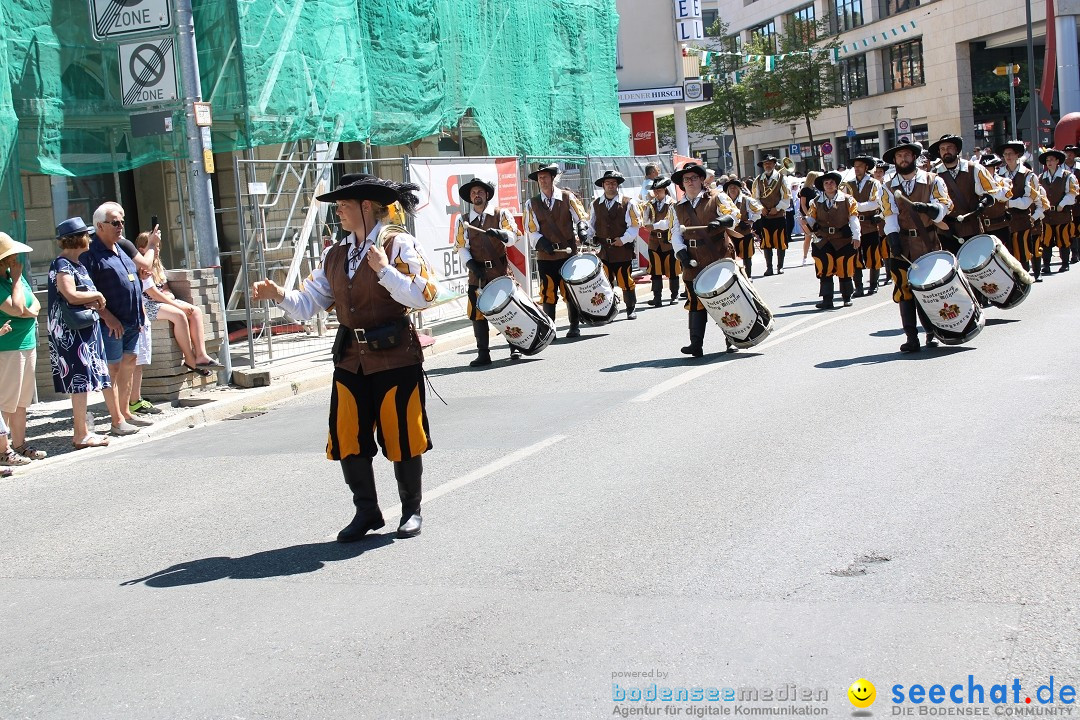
(659,219)
(834,217)
(614,224)
(910,230)
(481,238)
(749,213)
(1070,166)
(1061,190)
(699,238)
(554,220)
(1015,228)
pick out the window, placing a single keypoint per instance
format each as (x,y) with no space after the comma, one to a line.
(853,76)
(893,7)
(905,65)
(708,19)
(802,24)
(767,31)
(849,14)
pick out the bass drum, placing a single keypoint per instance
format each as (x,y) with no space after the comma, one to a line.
(513,313)
(993,271)
(590,290)
(733,303)
(945,297)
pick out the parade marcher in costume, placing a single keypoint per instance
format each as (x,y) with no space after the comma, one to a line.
(696,248)
(372,278)
(867,193)
(482,235)
(1061,190)
(807,193)
(614,224)
(555,221)
(1014,225)
(1070,166)
(972,188)
(749,213)
(910,230)
(773,193)
(834,217)
(659,219)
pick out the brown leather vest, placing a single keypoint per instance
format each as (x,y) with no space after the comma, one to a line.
(488,251)
(1055,191)
(360,303)
(770,198)
(556,224)
(965,200)
(659,240)
(834,219)
(866,223)
(743,226)
(612,224)
(1019,220)
(704,246)
(1075,207)
(915,244)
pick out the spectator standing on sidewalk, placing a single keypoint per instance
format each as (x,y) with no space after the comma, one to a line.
(18,350)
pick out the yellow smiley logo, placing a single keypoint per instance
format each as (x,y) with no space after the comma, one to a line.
(862,693)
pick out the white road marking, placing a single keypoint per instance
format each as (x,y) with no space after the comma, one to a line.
(784,333)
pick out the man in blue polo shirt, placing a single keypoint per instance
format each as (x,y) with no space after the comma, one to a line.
(117,278)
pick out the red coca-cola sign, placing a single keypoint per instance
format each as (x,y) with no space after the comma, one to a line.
(643,131)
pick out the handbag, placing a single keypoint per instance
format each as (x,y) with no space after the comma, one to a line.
(77,317)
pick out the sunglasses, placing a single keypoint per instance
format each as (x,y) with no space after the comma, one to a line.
(116,223)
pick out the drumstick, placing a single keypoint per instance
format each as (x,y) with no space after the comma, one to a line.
(901,196)
(706,227)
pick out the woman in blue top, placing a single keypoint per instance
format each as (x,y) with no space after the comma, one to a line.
(77,355)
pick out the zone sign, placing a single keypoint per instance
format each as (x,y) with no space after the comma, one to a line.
(148,72)
(120,18)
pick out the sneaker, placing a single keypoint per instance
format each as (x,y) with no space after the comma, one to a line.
(124,428)
(144,407)
(30,452)
(13,459)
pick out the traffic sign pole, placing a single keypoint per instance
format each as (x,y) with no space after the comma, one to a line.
(1012,104)
(200,192)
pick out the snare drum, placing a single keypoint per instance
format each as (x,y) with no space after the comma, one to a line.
(992,271)
(513,313)
(590,290)
(945,297)
(733,303)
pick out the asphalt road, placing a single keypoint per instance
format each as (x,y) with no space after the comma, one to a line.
(813,511)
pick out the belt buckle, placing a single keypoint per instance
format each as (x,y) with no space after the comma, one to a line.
(832,230)
(691,243)
(985,222)
(912,233)
(487,264)
(359,335)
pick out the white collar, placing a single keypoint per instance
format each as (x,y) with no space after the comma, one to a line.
(1052,178)
(371,236)
(920,177)
(486,211)
(556,193)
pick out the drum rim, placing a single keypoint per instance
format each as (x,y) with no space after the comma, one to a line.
(998,245)
(726,287)
(940,283)
(597,269)
(509,297)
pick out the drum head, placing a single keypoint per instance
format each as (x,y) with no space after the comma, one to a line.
(976,251)
(931,268)
(495,295)
(579,267)
(715,277)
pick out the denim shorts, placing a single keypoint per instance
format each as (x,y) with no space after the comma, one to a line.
(115,348)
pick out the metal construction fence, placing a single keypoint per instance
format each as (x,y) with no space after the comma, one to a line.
(283,231)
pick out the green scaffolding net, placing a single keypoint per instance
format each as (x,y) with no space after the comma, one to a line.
(539,77)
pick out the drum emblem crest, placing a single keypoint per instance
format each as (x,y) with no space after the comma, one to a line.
(989,288)
(949,312)
(513,332)
(731,320)
(597,300)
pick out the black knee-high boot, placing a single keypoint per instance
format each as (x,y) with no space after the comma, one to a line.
(549,310)
(697,322)
(928,327)
(657,290)
(631,303)
(673,285)
(874,274)
(409,473)
(827,289)
(575,318)
(911,329)
(481,332)
(747,263)
(768,261)
(360,477)
(846,290)
(780,261)
(859,292)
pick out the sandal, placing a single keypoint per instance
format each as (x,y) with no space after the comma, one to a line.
(29,451)
(12,458)
(6,472)
(198,370)
(213,365)
(91,440)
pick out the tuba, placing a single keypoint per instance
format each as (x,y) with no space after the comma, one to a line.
(787,166)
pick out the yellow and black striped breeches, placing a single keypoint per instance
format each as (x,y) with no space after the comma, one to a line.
(388,406)
(692,303)
(471,311)
(619,274)
(744,246)
(898,273)
(551,282)
(840,263)
(1059,236)
(774,234)
(664,262)
(872,251)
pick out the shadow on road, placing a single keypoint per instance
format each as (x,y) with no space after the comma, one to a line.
(801,304)
(891,332)
(1001,321)
(293,560)
(495,363)
(926,354)
(681,361)
(796,312)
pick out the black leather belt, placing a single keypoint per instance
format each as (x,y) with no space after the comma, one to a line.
(911,233)
(833,230)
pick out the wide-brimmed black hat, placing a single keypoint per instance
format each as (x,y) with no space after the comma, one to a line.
(661,183)
(767,158)
(549,168)
(465,190)
(733,181)
(890,154)
(73,226)
(1016,146)
(990,161)
(690,167)
(819,182)
(946,138)
(609,175)
(868,160)
(360,186)
(1074,149)
(1051,153)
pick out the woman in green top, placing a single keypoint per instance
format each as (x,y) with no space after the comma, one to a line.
(18,350)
